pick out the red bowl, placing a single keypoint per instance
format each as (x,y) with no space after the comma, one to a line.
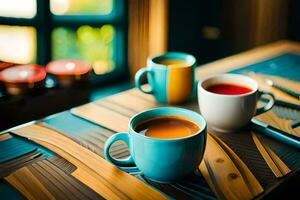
(69,71)
(4,65)
(23,78)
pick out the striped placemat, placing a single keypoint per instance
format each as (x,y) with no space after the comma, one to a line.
(13,147)
(50,179)
(193,187)
(91,170)
(114,113)
(88,135)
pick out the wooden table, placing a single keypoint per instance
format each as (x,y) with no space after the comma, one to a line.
(77,169)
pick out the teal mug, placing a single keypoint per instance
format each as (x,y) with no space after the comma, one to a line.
(171,77)
(161,160)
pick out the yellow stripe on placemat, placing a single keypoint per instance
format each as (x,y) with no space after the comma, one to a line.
(23,175)
(114,112)
(136,92)
(115,107)
(102,116)
(128,100)
(92,170)
(140,98)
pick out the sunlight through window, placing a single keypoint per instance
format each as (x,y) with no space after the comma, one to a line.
(81,7)
(17,44)
(18,8)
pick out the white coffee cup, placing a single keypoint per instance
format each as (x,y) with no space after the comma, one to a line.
(224,112)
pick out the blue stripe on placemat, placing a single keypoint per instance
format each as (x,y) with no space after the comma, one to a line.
(70,124)
(85,133)
(285,65)
(14,147)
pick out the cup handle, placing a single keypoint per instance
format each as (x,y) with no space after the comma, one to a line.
(118,162)
(138,76)
(268,105)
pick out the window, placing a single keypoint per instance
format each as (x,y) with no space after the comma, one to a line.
(38,31)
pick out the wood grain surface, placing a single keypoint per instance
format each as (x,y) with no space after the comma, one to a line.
(92,170)
(132,101)
(92,138)
(24,178)
(226,173)
(44,180)
(282,124)
(271,117)
(277,166)
(13,165)
(103,116)
(192,187)
(227,189)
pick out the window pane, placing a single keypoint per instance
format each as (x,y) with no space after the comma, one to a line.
(18,8)
(92,44)
(81,7)
(17,44)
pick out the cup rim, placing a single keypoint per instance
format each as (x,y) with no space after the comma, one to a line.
(202,129)
(191,60)
(201,82)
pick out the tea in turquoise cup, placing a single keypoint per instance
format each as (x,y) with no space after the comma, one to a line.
(171,77)
(166,144)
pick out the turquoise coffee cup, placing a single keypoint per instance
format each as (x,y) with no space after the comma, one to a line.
(161,160)
(169,83)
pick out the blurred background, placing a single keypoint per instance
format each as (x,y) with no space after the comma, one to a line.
(38,31)
(117,36)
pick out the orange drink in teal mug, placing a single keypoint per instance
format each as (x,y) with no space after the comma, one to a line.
(161,154)
(171,77)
